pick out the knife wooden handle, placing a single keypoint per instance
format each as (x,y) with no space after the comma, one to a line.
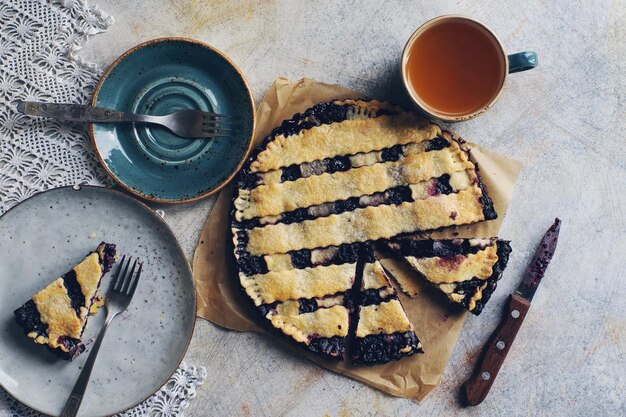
(494,353)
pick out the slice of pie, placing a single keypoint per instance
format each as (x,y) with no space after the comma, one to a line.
(320,324)
(57,315)
(465,270)
(321,188)
(383,331)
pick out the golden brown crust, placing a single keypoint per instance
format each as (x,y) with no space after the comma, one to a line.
(458,268)
(345,138)
(293,284)
(358,160)
(276,198)
(324,322)
(278,262)
(88,274)
(449,290)
(373,277)
(384,318)
(55,310)
(369,223)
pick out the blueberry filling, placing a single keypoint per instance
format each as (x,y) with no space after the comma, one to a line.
(372,296)
(442,185)
(242,239)
(489,211)
(346,253)
(503,251)
(329,347)
(247,180)
(27,316)
(338,164)
(74,348)
(251,265)
(391,154)
(307,305)
(437,144)
(74,291)
(346,205)
(382,348)
(399,195)
(108,257)
(301,259)
(350,252)
(469,286)
(428,248)
(327,113)
(290,173)
(247,223)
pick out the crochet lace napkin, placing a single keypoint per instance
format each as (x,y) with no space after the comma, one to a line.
(38,43)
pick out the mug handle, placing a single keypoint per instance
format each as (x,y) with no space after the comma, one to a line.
(522,61)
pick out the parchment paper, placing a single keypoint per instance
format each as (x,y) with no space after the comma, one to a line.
(221,300)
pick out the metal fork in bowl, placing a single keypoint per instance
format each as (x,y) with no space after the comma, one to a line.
(183,123)
(118,298)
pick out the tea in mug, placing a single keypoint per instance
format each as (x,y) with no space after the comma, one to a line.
(455,67)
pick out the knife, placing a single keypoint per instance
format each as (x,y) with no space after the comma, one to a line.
(476,388)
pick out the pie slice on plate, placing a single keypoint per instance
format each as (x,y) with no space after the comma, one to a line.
(57,315)
(321,188)
(465,270)
(383,331)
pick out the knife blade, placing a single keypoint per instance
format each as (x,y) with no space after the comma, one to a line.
(475,389)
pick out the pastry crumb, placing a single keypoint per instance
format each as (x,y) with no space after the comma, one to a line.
(99,301)
(92,235)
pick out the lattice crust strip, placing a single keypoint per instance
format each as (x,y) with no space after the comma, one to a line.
(370,223)
(276,198)
(345,138)
(345,162)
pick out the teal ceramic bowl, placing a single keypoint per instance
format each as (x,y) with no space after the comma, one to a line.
(160,77)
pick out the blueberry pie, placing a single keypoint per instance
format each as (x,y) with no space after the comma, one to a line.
(57,315)
(465,270)
(320,189)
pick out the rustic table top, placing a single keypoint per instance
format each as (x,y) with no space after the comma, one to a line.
(564,120)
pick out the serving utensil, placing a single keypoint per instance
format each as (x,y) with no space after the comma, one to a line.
(118,298)
(496,349)
(183,123)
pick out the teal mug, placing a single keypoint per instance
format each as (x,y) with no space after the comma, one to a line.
(507,64)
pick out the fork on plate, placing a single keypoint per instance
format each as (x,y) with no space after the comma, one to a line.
(119,295)
(183,123)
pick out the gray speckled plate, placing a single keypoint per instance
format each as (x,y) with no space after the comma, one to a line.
(42,238)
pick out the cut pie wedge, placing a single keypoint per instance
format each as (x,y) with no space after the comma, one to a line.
(465,270)
(320,324)
(383,331)
(57,315)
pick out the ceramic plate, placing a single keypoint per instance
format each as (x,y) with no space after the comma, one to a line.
(161,77)
(41,239)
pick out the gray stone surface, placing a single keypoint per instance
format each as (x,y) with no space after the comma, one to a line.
(564,120)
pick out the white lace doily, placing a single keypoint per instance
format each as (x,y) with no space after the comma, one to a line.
(38,44)
(170,401)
